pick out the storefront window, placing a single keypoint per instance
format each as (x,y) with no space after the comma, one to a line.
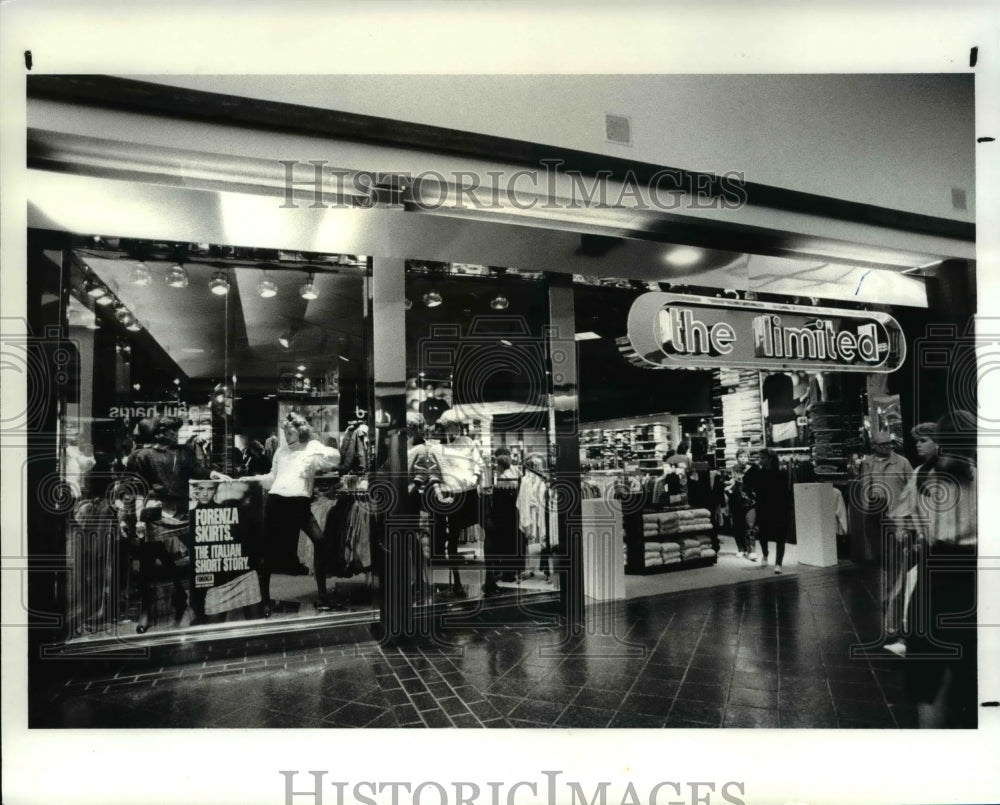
(480,446)
(205,374)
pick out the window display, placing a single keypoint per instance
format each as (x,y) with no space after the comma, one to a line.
(477,402)
(191,357)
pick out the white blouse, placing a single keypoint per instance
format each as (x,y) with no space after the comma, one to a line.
(294,468)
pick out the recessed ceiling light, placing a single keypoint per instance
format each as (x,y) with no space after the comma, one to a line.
(683,257)
(219,285)
(140,274)
(177,277)
(500,302)
(308,289)
(301,367)
(266,287)
(432,299)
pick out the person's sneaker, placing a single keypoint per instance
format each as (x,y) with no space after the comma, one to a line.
(898,648)
(777,570)
(740,554)
(763,562)
(752,556)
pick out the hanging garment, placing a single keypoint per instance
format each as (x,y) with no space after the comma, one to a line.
(357,541)
(354,451)
(531,506)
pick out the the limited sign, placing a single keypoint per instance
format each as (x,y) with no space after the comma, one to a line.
(670,331)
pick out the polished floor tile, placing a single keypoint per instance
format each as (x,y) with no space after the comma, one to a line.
(775,655)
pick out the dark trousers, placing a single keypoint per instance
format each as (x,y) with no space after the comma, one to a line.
(284,518)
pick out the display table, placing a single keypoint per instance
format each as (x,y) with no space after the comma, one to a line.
(603,567)
(816,524)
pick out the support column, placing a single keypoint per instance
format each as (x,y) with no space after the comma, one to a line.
(562,353)
(388,492)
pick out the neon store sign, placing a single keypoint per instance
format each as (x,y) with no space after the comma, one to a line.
(669,331)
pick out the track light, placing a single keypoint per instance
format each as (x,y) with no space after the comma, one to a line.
(177,277)
(133,325)
(105,300)
(500,302)
(432,299)
(266,287)
(285,339)
(94,289)
(308,289)
(219,285)
(140,274)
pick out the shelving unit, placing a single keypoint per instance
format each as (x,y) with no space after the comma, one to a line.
(634,444)
(737,414)
(676,550)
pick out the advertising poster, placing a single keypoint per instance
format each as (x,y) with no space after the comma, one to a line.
(226,523)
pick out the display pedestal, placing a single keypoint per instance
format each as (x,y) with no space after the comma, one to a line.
(603,545)
(816,524)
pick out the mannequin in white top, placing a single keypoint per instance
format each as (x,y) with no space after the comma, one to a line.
(288,510)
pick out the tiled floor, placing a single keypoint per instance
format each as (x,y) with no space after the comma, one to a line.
(772,653)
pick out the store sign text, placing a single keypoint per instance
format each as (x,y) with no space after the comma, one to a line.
(671,331)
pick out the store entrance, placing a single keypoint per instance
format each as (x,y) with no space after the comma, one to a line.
(702,477)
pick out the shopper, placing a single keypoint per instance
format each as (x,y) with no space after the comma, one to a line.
(940,643)
(461,471)
(770,489)
(288,507)
(881,486)
(424,478)
(164,471)
(681,458)
(742,505)
(502,537)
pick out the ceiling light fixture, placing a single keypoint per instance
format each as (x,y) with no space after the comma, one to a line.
(133,325)
(683,257)
(219,285)
(285,339)
(266,287)
(432,299)
(140,274)
(500,302)
(94,289)
(177,277)
(308,289)
(105,300)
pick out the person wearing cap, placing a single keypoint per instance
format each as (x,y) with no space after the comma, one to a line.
(883,479)
(940,645)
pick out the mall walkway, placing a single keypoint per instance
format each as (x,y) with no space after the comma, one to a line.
(779,652)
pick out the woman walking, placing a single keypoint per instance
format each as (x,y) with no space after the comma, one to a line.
(773,507)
